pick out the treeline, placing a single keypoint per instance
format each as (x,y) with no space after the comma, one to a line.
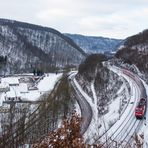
(134,57)
(137,55)
(67,136)
(88,67)
(3,59)
(38,72)
(92,70)
(140,38)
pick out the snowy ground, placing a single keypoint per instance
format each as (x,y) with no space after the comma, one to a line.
(94,123)
(115,107)
(113,115)
(129,112)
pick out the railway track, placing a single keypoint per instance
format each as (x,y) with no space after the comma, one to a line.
(114,123)
(126,129)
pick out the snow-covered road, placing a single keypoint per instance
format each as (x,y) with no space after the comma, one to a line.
(86,111)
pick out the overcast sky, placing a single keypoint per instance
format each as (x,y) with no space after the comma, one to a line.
(108,18)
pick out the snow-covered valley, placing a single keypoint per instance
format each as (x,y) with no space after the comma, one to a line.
(117,123)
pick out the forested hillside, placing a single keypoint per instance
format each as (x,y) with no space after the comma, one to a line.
(135,51)
(28,46)
(91,44)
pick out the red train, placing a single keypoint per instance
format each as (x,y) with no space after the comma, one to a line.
(140,109)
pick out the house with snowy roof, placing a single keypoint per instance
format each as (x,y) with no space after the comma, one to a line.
(11,81)
(13,95)
(4,87)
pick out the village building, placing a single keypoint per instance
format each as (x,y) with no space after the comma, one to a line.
(10,81)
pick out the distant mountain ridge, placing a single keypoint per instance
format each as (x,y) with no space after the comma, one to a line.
(91,44)
(28,46)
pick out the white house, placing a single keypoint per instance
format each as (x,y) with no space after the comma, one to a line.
(13,93)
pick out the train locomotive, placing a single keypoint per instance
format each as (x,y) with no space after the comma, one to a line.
(140,109)
(142,104)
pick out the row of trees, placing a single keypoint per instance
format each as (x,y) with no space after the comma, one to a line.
(88,68)
(3,61)
(134,57)
(140,38)
(38,72)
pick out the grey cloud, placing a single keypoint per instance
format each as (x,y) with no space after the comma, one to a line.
(112,18)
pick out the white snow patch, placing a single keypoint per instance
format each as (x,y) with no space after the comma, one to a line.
(10,81)
(77,108)
(48,82)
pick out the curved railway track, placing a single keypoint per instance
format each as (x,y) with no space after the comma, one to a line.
(114,123)
(126,129)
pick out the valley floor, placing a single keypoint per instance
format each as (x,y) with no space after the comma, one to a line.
(120,109)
